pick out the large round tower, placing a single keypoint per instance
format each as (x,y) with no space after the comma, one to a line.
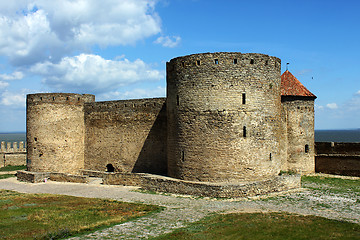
(223,117)
(55,131)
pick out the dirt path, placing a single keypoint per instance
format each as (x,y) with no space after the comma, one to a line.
(181,210)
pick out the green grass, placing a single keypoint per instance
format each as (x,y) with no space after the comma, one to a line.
(3,176)
(334,185)
(45,216)
(266,226)
(12,168)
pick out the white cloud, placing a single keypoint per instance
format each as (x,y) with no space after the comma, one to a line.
(93,74)
(319,107)
(3,85)
(14,76)
(134,94)
(11,99)
(168,41)
(357,93)
(332,105)
(37,30)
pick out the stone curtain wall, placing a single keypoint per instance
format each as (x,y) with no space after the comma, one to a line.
(56,131)
(338,158)
(298,123)
(130,135)
(223,117)
(12,155)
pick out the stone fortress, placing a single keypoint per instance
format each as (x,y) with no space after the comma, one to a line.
(229,125)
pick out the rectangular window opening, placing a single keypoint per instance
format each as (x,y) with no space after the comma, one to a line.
(198,62)
(243,98)
(177,100)
(216,61)
(244,131)
(235,61)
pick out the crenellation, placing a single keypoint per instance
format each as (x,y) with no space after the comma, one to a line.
(3,148)
(60,98)
(9,148)
(12,147)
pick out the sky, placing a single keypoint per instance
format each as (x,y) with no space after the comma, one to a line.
(118,49)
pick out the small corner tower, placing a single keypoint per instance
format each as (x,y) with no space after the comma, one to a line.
(298,125)
(55,131)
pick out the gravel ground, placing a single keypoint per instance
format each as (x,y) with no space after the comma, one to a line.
(181,210)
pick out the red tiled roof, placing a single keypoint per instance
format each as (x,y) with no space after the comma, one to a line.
(290,86)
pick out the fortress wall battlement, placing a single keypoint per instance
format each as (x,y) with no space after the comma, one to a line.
(341,158)
(338,148)
(12,153)
(224,116)
(146,104)
(12,147)
(128,134)
(62,98)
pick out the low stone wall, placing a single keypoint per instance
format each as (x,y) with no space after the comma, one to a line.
(12,154)
(92,173)
(63,177)
(204,189)
(32,177)
(38,177)
(338,158)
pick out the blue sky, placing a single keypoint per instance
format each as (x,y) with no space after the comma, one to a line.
(118,49)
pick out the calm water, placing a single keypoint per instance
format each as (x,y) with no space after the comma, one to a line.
(13,137)
(320,136)
(337,135)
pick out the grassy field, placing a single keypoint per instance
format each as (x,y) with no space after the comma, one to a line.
(332,185)
(266,226)
(333,194)
(3,170)
(45,216)
(12,168)
(52,216)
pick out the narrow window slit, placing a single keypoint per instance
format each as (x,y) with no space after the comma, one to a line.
(306,148)
(244,131)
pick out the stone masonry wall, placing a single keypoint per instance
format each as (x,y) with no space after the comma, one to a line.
(12,154)
(338,158)
(130,135)
(299,118)
(56,131)
(223,117)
